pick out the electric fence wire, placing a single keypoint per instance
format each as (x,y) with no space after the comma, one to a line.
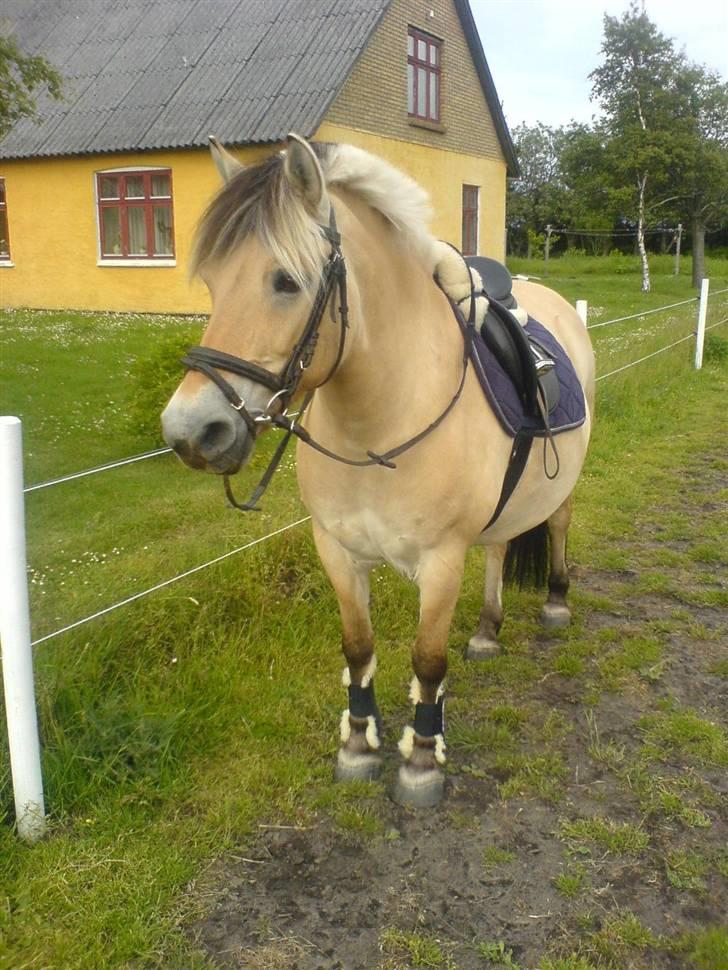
(99,468)
(167,582)
(659,309)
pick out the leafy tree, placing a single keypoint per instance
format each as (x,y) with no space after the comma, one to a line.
(595,202)
(700,174)
(20,76)
(538,197)
(636,86)
(666,132)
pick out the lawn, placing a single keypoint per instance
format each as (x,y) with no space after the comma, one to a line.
(177,726)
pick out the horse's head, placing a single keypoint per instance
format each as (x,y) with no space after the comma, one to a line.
(263,248)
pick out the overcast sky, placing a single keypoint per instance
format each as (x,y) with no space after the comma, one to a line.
(540,52)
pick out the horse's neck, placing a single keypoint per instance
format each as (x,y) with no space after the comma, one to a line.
(404,347)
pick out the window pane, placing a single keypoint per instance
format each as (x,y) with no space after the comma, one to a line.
(137,231)
(2,191)
(135,187)
(421,50)
(160,185)
(4,245)
(109,187)
(421,92)
(410,89)
(410,45)
(163,230)
(433,54)
(434,100)
(111,235)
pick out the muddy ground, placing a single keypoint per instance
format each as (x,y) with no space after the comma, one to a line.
(494,877)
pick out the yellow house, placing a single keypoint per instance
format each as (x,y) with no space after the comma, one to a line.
(99,196)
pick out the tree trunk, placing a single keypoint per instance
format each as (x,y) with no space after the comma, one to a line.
(642,183)
(698,250)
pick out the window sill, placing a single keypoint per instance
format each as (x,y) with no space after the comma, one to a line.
(6,264)
(136,262)
(427,125)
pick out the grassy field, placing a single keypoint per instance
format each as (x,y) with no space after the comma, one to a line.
(174,727)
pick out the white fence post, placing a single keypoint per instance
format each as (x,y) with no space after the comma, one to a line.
(17,655)
(702,314)
(581,309)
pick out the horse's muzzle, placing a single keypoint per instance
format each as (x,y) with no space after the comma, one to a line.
(221,444)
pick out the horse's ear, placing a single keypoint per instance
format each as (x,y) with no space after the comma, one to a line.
(305,175)
(226,164)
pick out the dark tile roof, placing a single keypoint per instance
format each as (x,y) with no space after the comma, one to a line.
(144,74)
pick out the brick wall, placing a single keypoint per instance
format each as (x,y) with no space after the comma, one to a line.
(375,96)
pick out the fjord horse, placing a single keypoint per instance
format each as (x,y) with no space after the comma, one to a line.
(385,359)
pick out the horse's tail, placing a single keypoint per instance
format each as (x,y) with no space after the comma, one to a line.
(527,559)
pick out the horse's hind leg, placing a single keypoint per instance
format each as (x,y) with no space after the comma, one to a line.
(555,612)
(484,642)
(360,723)
(420,782)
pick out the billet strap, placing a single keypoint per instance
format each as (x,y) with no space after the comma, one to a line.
(516,463)
(430,718)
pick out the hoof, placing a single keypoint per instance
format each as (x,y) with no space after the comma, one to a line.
(418,789)
(481,648)
(554,617)
(357,767)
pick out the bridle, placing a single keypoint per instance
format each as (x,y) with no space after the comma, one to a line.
(284,385)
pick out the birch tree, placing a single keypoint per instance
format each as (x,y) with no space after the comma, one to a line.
(635,87)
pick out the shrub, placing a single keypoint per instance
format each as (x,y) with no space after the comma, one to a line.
(153,380)
(715,350)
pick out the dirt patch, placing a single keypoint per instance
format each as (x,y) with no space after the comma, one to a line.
(496,874)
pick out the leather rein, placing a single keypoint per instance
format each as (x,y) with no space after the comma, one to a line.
(209,362)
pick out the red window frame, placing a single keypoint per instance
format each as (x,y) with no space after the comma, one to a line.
(4,256)
(123,202)
(424,69)
(471,205)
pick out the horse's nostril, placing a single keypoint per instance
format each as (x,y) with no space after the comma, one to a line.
(180,447)
(216,438)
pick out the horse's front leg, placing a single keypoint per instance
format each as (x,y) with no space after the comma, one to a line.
(420,782)
(358,756)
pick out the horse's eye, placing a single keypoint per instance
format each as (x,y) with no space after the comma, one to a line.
(283,283)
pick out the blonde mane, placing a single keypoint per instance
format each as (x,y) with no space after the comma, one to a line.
(259,200)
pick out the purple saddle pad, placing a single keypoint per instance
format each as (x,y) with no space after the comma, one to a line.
(570,412)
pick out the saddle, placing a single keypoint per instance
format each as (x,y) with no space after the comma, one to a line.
(527,363)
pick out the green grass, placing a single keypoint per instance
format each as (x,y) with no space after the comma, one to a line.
(497,954)
(172,727)
(495,857)
(420,950)
(683,732)
(606,835)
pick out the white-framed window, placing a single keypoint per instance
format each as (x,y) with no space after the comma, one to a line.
(135,216)
(424,76)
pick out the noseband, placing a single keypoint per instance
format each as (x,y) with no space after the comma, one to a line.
(284,385)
